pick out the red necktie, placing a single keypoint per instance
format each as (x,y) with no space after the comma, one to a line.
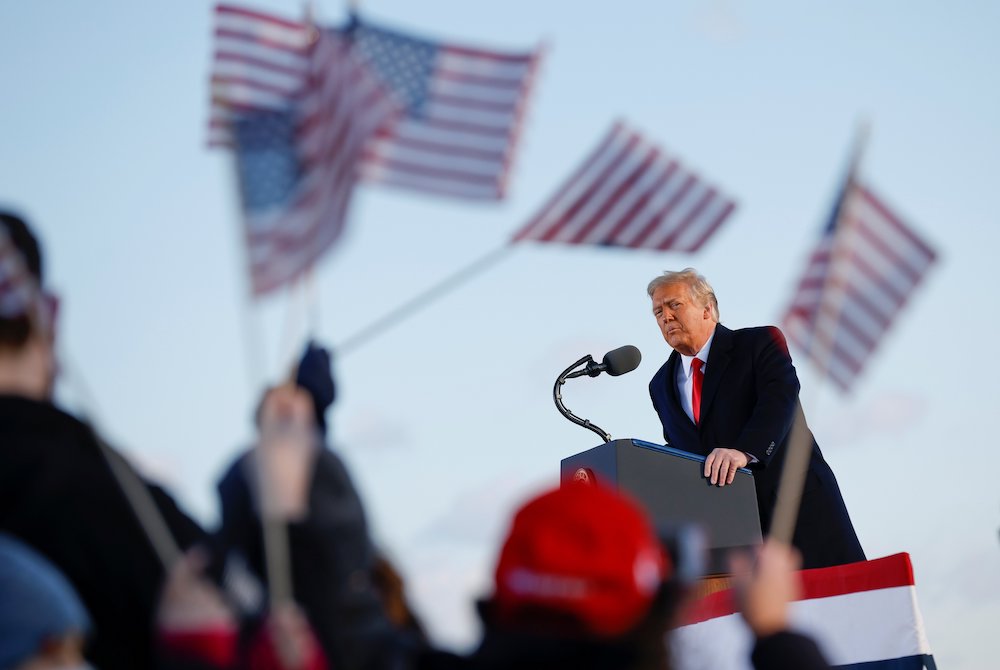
(698,376)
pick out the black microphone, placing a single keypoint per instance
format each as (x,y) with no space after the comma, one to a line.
(616,362)
(621,360)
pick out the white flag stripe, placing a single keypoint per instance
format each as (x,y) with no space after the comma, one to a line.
(394,151)
(853,628)
(229,69)
(451,63)
(415,181)
(412,131)
(446,111)
(246,95)
(383,146)
(472,93)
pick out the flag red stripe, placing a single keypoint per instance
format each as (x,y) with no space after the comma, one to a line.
(688,220)
(259,63)
(480,54)
(528,232)
(432,148)
(890,572)
(487,81)
(902,228)
(473,103)
(623,188)
(398,165)
(252,83)
(897,261)
(710,229)
(639,205)
(258,40)
(657,219)
(249,13)
(612,162)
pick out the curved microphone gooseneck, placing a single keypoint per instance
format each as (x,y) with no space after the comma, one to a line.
(616,362)
(557,397)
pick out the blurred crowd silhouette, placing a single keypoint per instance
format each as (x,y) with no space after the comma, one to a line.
(100,568)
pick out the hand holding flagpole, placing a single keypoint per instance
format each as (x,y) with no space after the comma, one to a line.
(284,458)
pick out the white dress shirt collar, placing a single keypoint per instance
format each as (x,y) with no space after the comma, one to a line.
(702,354)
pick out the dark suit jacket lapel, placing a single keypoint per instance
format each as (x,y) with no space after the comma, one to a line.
(718,360)
(685,433)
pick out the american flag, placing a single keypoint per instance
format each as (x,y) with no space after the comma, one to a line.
(463,106)
(630,193)
(261,63)
(867,264)
(297,162)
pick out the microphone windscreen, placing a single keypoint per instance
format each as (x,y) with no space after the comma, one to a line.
(621,360)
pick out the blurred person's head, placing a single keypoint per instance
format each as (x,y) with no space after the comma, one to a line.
(43,624)
(27,313)
(582,581)
(685,308)
(314,375)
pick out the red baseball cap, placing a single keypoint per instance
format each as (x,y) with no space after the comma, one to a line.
(582,551)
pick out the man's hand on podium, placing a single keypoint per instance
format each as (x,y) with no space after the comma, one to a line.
(722,463)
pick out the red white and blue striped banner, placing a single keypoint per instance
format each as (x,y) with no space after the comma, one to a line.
(862,615)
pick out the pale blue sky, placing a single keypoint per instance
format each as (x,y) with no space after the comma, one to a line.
(447,420)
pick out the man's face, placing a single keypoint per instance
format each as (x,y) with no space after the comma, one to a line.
(685,324)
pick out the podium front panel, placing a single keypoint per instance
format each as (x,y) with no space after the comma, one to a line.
(670,484)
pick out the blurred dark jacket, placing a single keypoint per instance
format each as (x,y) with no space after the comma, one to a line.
(333,563)
(787,651)
(58,495)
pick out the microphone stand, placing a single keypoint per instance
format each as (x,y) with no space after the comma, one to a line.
(569,373)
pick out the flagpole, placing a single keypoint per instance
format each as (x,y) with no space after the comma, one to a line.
(140,500)
(793,474)
(296,312)
(312,304)
(415,304)
(275,534)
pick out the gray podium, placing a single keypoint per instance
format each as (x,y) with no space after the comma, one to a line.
(669,483)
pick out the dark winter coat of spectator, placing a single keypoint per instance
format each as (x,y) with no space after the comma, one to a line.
(333,560)
(57,491)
